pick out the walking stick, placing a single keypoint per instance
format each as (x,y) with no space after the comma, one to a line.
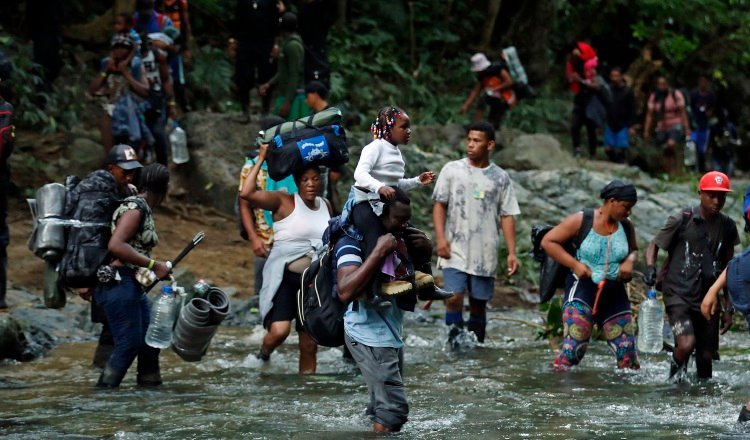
(189,247)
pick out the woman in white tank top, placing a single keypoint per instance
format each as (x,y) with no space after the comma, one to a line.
(299,221)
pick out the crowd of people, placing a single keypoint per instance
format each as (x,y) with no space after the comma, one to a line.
(381,259)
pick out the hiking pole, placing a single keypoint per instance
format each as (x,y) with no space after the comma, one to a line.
(186,250)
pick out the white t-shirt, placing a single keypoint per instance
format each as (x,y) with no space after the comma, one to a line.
(381,164)
(475,198)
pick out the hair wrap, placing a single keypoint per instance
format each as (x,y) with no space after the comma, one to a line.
(619,190)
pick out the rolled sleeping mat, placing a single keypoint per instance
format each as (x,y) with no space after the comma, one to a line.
(193,331)
(219,305)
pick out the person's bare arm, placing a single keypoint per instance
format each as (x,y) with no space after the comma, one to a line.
(648,125)
(711,301)
(470,99)
(351,281)
(138,86)
(126,228)
(508,225)
(439,216)
(554,240)
(506,81)
(268,200)
(248,223)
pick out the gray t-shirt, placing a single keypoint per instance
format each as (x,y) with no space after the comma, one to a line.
(475,198)
(685,281)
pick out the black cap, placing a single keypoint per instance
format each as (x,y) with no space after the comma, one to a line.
(124,156)
(288,22)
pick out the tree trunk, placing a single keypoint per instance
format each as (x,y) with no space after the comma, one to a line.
(530,31)
(493,9)
(99,30)
(340,12)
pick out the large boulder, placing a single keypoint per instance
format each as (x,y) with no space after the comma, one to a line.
(534,152)
(217,145)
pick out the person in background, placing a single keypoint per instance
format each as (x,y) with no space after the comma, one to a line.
(620,117)
(160,92)
(668,115)
(580,69)
(124,25)
(255,44)
(703,106)
(257,224)
(700,242)
(7,141)
(290,78)
(121,78)
(495,85)
(473,200)
(177,11)
(123,300)
(315,20)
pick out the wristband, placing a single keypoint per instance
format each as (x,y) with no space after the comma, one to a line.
(151,264)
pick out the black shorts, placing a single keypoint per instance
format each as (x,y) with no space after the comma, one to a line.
(285,301)
(687,322)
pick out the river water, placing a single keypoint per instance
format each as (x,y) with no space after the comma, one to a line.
(503,389)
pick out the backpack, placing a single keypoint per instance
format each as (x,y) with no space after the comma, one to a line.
(320,311)
(305,142)
(90,203)
(7,131)
(738,282)
(551,273)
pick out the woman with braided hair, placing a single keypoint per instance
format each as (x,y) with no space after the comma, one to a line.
(380,169)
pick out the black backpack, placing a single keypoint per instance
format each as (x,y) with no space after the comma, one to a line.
(7,131)
(321,313)
(551,273)
(92,201)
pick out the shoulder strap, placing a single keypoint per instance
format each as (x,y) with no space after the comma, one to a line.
(586,224)
(627,226)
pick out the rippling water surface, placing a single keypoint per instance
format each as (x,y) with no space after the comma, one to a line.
(501,390)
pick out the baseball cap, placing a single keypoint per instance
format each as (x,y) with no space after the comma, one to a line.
(122,39)
(479,62)
(124,156)
(714,181)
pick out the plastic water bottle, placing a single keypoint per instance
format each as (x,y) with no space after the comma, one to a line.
(178,140)
(159,333)
(690,153)
(650,324)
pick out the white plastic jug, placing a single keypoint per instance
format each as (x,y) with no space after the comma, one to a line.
(178,140)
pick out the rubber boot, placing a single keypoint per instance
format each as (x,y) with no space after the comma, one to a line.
(744,415)
(677,371)
(149,373)
(109,378)
(478,326)
(102,354)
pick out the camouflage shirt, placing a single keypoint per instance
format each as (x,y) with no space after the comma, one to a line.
(145,238)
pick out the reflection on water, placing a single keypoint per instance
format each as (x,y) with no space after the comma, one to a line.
(503,389)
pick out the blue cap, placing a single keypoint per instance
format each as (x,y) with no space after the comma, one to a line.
(651,293)
(166,289)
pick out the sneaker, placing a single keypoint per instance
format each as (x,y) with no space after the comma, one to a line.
(396,288)
(434,294)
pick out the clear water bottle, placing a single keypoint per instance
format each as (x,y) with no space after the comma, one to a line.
(178,140)
(159,333)
(690,153)
(650,324)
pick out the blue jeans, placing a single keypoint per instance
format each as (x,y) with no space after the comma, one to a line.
(128,314)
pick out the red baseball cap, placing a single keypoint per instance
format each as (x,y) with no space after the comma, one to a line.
(714,181)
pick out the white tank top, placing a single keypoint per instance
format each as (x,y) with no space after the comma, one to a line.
(303,223)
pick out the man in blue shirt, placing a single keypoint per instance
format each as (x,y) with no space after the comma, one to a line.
(374,336)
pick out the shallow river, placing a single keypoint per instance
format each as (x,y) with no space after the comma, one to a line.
(501,390)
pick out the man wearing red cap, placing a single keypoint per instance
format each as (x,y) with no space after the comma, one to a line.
(700,242)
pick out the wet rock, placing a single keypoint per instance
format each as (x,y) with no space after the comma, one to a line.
(534,152)
(11,337)
(217,145)
(83,156)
